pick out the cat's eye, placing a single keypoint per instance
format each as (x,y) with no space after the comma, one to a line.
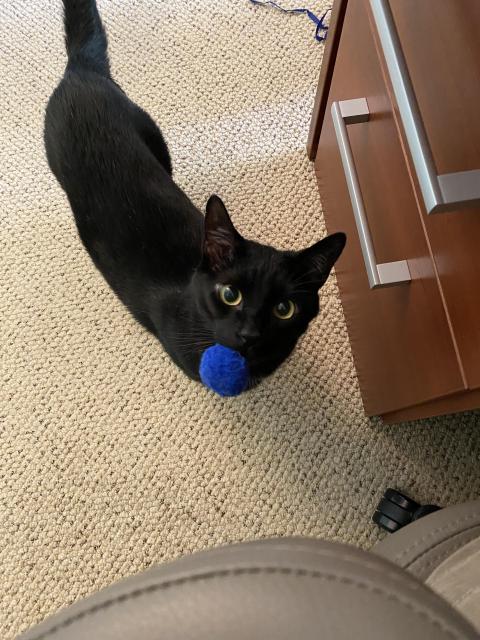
(230,295)
(284,309)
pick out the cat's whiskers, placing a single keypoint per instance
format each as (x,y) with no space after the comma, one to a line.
(197,340)
(192,339)
(192,334)
(195,348)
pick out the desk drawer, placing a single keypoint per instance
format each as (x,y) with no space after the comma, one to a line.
(400,335)
(441,63)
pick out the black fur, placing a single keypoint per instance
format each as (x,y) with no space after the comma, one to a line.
(159,254)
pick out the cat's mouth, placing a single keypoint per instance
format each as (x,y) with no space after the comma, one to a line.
(255,361)
(250,353)
(253,355)
(246,350)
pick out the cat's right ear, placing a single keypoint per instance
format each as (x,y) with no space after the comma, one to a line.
(221,239)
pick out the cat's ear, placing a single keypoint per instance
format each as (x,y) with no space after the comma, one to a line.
(221,239)
(315,263)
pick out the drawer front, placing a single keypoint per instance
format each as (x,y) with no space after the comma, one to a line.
(441,46)
(400,336)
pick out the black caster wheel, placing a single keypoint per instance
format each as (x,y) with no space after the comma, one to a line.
(395,510)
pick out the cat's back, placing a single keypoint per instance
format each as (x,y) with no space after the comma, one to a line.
(129,211)
(89,121)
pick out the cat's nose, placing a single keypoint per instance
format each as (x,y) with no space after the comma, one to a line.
(248,336)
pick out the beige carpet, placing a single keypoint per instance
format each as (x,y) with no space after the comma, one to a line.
(110,459)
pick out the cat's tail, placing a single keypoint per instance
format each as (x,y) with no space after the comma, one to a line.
(85,37)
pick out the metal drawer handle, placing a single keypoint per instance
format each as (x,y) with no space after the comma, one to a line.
(440,192)
(379,275)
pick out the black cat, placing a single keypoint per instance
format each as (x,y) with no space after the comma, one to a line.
(189,279)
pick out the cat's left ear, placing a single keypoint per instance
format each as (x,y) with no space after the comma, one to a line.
(222,240)
(316,262)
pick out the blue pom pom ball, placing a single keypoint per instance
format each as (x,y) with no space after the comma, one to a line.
(224,370)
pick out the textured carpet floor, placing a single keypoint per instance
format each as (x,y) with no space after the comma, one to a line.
(111,460)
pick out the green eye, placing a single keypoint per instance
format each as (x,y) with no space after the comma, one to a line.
(284,310)
(230,295)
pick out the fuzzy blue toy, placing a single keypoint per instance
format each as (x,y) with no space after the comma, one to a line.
(224,370)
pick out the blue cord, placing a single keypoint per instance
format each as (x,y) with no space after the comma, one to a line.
(320,29)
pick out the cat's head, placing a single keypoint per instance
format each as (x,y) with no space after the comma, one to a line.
(254,298)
